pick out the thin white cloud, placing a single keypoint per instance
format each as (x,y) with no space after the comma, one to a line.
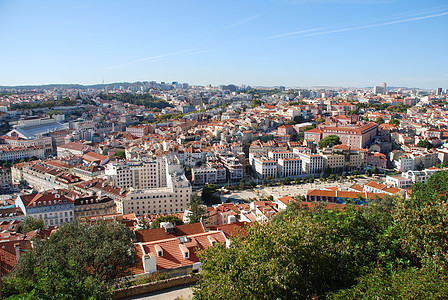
(296,32)
(300,34)
(235,24)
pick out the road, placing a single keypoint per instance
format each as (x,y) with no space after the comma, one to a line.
(183,292)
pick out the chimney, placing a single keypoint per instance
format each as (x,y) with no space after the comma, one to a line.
(17,248)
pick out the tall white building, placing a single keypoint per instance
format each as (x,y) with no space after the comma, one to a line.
(142,174)
(151,186)
(265,167)
(289,167)
(311,163)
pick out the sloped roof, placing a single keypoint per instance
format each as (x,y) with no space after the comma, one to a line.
(158,234)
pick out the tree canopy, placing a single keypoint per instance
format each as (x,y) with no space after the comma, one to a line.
(197,209)
(385,250)
(29,224)
(169,218)
(329,141)
(394,122)
(145,99)
(89,255)
(425,143)
(208,194)
(380,120)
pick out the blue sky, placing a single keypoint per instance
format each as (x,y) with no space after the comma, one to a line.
(298,43)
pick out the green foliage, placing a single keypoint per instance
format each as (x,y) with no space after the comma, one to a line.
(320,120)
(255,103)
(146,99)
(306,128)
(30,224)
(329,141)
(395,248)
(425,143)
(169,218)
(45,104)
(102,250)
(197,209)
(375,170)
(120,153)
(394,122)
(143,224)
(380,120)
(294,137)
(208,194)
(275,261)
(407,284)
(54,281)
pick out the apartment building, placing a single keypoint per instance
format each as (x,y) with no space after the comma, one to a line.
(354,136)
(141,174)
(44,142)
(311,163)
(8,152)
(43,177)
(275,155)
(201,176)
(140,130)
(289,167)
(163,189)
(265,167)
(398,181)
(5,178)
(53,207)
(91,206)
(234,168)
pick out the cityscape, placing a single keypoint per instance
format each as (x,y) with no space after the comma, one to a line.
(301,185)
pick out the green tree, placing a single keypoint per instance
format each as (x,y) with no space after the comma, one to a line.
(197,209)
(320,120)
(143,224)
(410,283)
(369,172)
(255,102)
(425,143)
(375,170)
(208,194)
(274,261)
(102,250)
(394,122)
(169,218)
(294,137)
(242,183)
(329,141)
(55,281)
(30,224)
(380,120)
(120,153)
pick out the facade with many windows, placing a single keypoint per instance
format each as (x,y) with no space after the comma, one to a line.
(289,167)
(265,167)
(53,207)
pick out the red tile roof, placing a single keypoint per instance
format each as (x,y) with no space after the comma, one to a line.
(158,234)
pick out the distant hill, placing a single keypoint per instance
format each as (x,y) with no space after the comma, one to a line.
(67,86)
(127,84)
